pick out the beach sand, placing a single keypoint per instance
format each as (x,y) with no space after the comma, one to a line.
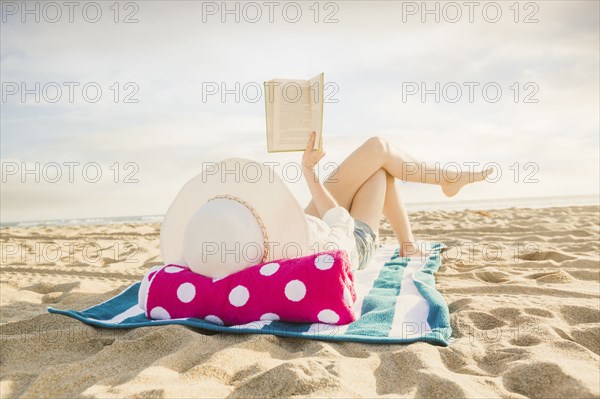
(523,287)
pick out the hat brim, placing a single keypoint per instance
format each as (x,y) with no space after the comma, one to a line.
(255,183)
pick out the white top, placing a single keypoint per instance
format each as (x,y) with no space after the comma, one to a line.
(334,231)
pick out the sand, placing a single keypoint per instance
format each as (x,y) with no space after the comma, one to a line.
(523,287)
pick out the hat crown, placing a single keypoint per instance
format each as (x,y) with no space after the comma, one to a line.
(283,221)
(222,237)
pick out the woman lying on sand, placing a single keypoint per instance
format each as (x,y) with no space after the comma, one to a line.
(224,220)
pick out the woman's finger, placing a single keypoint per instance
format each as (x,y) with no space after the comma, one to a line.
(311,141)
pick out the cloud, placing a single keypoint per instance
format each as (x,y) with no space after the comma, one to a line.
(368,57)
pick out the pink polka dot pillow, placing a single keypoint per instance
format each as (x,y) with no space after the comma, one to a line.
(316,288)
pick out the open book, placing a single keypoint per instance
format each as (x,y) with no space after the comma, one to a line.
(294,109)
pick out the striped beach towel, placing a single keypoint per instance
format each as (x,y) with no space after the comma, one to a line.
(397,302)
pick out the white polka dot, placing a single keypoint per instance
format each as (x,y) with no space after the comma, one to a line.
(328,316)
(269,269)
(173,269)
(348,296)
(186,292)
(324,262)
(159,313)
(214,319)
(152,270)
(239,296)
(269,316)
(295,290)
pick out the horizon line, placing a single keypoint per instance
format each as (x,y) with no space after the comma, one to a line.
(446,205)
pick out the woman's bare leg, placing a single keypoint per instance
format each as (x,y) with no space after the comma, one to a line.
(377,154)
(378,195)
(368,203)
(395,212)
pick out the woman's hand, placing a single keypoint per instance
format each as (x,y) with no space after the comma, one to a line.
(311,157)
(322,198)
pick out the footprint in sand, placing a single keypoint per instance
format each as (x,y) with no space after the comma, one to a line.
(588,337)
(554,277)
(528,331)
(459,304)
(525,340)
(485,321)
(579,315)
(509,314)
(539,312)
(545,255)
(47,288)
(588,275)
(296,377)
(430,385)
(459,362)
(544,380)
(497,360)
(489,276)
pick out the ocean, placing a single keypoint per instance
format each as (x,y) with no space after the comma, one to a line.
(532,202)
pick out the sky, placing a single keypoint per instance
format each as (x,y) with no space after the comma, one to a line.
(106,111)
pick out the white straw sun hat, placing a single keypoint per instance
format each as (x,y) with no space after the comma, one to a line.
(235,214)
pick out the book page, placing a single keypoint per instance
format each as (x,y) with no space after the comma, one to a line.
(293,111)
(316,85)
(292,122)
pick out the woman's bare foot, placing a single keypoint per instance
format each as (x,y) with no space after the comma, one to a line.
(451,188)
(412,250)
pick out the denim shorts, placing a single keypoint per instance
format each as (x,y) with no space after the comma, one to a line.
(365,242)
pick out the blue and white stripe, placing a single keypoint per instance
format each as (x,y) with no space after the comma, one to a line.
(397,302)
